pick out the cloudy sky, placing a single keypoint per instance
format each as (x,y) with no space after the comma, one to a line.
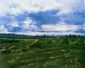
(40,17)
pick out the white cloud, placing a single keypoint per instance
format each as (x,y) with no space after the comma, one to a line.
(14,23)
(67,6)
(59,27)
(49,33)
(3,29)
(3,8)
(29,24)
(19,6)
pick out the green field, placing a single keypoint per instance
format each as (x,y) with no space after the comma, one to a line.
(49,52)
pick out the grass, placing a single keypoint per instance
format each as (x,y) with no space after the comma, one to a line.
(42,53)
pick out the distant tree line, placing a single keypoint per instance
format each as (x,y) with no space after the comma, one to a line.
(39,36)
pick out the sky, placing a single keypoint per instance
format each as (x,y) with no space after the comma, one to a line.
(38,17)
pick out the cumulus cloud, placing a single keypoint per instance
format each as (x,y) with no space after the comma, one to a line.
(29,25)
(14,23)
(3,29)
(41,15)
(20,6)
(68,6)
(59,27)
(49,33)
